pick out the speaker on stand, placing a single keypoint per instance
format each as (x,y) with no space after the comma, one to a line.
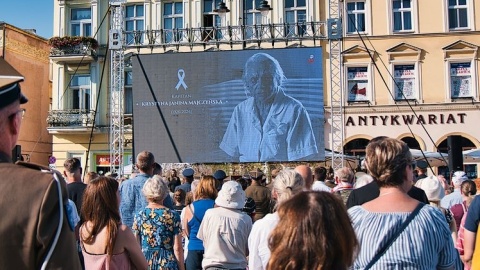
(455,156)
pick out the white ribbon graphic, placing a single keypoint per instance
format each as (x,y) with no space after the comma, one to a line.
(181,76)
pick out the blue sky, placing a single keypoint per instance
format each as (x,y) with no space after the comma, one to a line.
(29,14)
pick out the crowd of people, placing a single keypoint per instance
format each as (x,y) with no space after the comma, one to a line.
(391,216)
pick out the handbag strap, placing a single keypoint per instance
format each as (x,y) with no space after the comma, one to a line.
(193,214)
(394,236)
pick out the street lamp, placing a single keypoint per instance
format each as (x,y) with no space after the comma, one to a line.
(264,8)
(222,10)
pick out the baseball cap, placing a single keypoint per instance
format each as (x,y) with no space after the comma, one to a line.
(458,177)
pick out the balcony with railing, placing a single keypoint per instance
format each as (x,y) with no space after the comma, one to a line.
(237,34)
(73,49)
(70,120)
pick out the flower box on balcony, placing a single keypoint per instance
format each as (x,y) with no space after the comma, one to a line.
(73,45)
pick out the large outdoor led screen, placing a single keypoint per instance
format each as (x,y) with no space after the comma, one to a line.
(229,106)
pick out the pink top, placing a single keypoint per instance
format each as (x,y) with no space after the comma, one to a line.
(119,261)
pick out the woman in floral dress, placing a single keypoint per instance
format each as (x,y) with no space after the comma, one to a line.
(158,230)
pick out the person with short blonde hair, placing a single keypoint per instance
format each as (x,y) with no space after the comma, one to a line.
(287,183)
(391,164)
(204,199)
(158,228)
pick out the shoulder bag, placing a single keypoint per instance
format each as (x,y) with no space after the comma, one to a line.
(394,237)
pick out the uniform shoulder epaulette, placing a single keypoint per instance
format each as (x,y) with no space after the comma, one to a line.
(34,166)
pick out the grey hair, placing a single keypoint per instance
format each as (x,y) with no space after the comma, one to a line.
(345,174)
(363,180)
(155,189)
(270,65)
(287,183)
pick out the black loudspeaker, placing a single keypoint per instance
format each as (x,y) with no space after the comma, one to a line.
(17,153)
(455,156)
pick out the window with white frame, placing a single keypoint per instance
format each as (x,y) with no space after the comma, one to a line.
(172,19)
(358,84)
(355,17)
(457,14)
(461,82)
(405,83)
(81,22)
(80,89)
(402,15)
(128,108)
(134,21)
(252,17)
(211,19)
(295,17)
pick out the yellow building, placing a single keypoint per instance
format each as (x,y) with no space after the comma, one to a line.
(429,48)
(411,72)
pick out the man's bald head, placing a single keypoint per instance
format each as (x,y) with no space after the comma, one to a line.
(306,174)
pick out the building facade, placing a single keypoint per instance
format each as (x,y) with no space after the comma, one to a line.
(408,69)
(411,72)
(28,53)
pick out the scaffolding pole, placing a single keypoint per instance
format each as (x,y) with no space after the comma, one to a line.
(117,77)
(334,23)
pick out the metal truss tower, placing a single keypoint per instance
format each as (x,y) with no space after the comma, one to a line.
(117,77)
(335,34)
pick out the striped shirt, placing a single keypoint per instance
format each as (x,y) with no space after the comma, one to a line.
(426,243)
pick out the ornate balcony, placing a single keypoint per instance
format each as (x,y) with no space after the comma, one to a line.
(236,34)
(70,120)
(70,49)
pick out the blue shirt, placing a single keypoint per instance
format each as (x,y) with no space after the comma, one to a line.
(133,200)
(473,215)
(426,243)
(199,209)
(286,135)
(187,187)
(451,199)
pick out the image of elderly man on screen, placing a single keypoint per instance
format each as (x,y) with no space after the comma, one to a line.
(269,125)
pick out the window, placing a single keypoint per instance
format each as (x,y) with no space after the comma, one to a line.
(355,17)
(252,17)
(461,80)
(80,87)
(81,22)
(405,84)
(402,15)
(134,21)
(457,14)
(172,19)
(210,19)
(128,93)
(295,17)
(358,84)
